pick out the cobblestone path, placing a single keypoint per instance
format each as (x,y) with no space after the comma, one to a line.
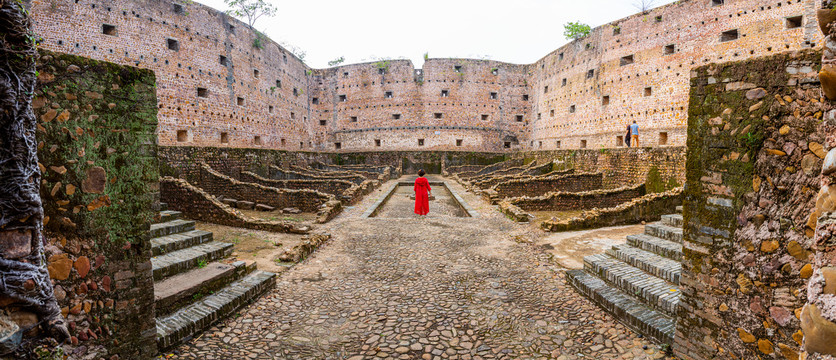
(433,288)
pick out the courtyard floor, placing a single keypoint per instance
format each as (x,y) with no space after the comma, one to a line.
(440,287)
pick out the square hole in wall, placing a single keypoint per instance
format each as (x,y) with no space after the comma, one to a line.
(270,109)
(295,91)
(648,91)
(343,98)
(173,44)
(240,101)
(627,60)
(717,2)
(658,18)
(109,29)
(231,28)
(338,145)
(519,118)
(619,141)
(445,93)
(202,92)
(525,97)
(352,119)
(377,142)
(256,73)
(381,71)
(557,144)
(572,109)
(222,60)
(663,138)
(178,9)
(794,22)
(670,49)
(605,100)
(539,144)
(494,96)
(484,117)
(459,142)
(545,89)
(551,112)
(616,30)
(315,101)
(182,135)
(388,95)
(564,82)
(560,56)
(494,71)
(438,115)
(507,145)
(323,122)
(457,68)
(583,144)
(539,116)
(420,142)
(730,35)
(283,142)
(590,74)
(345,74)
(292,115)
(224,138)
(396,116)
(301,144)
(279,84)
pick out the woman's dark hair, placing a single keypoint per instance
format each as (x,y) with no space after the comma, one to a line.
(421,172)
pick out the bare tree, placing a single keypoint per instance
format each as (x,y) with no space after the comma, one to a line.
(644,5)
(23,272)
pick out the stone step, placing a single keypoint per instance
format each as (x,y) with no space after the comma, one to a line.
(186,259)
(668,249)
(187,322)
(183,289)
(674,220)
(665,232)
(652,290)
(649,262)
(169,215)
(679,209)
(627,309)
(168,243)
(171,227)
(163,206)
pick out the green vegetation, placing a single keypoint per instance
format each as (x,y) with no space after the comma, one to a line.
(258,42)
(426,56)
(250,10)
(336,61)
(576,30)
(201,263)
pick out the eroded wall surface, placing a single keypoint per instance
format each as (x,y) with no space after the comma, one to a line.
(756,139)
(97,153)
(217,88)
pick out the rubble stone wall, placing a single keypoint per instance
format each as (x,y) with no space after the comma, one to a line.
(756,139)
(218,184)
(562,201)
(540,186)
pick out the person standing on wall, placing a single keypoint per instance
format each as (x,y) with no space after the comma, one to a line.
(634,132)
(422,194)
(627,137)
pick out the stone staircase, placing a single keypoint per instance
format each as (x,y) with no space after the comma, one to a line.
(638,282)
(193,286)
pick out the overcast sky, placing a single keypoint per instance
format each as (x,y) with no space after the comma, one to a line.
(515,31)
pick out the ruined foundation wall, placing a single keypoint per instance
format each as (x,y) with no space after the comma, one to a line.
(218,184)
(541,186)
(97,151)
(563,201)
(755,148)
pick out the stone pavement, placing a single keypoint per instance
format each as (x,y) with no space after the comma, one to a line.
(433,288)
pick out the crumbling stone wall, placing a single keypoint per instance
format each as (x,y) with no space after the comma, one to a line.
(344,190)
(562,201)
(218,184)
(540,186)
(97,149)
(647,208)
(756,136)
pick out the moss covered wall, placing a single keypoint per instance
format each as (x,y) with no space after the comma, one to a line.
(97,151)
(753,162)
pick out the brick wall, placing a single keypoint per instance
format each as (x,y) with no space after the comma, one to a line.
(97,151)
(389,105)
(541,186)
(647,208)
(218,184)
(562,201)
(755,135)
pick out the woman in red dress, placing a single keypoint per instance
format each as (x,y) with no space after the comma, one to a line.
(422,194)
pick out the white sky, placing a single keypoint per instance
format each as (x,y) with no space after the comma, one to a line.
(515,31)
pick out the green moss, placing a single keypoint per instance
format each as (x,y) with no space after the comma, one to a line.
(654,183)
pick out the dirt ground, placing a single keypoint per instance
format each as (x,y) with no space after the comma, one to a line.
(261,247)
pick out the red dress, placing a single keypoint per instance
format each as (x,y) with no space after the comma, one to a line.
(422,199)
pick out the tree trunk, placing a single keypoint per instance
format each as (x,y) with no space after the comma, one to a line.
(23,273)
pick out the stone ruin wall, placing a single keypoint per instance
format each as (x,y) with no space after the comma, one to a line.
(694,28)
(756,143)
(307,112)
